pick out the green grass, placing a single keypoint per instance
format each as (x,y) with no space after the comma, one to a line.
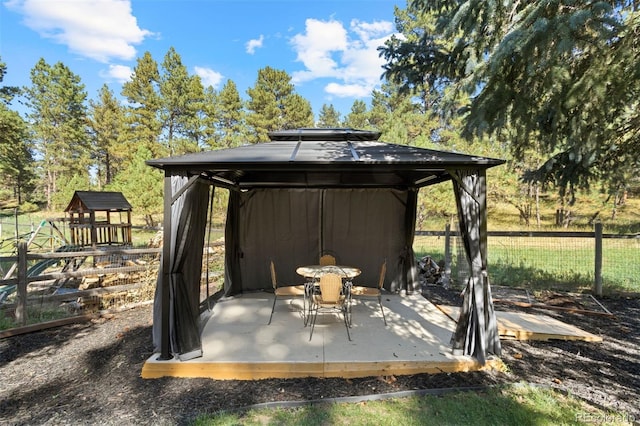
(6,323)
(521,405)
(35,315)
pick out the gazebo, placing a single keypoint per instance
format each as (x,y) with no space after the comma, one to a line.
(305,192)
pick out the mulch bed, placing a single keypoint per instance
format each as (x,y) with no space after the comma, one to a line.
(89,373)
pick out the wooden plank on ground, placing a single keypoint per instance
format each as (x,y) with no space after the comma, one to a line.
(523,326)
(153,369)
(230,370)
(106,313)
(556,308)
(45,325)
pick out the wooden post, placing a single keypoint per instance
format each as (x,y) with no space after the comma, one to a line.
(93,229)
(21,307)
(598,259)
(129,239)
(51,245)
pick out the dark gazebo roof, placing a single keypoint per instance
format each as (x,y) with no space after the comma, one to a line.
(324,158)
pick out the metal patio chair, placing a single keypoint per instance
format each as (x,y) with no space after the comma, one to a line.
(332,297)
(286,291)
(363,292)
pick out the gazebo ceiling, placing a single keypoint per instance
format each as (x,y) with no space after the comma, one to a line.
(323,158)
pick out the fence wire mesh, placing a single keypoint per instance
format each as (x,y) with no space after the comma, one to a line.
(621,263)
(548,261)
(212,278)
(75,282)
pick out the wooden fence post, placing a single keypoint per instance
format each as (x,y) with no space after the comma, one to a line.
(21,307)
(598,259)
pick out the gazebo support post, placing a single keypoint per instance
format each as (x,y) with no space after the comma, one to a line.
(166,271)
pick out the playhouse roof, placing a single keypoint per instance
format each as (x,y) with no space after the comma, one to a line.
(98,201)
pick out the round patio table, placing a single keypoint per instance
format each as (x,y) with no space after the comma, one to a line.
(316,271)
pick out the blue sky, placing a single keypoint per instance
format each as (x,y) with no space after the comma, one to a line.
(328,47)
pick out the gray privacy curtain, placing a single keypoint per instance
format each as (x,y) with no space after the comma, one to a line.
(263,225)
(232,277)
(188,222)
(365,227)
(476,332)
(292,227)
(410,268)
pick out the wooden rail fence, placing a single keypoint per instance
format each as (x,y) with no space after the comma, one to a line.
(597,236)
(22,279)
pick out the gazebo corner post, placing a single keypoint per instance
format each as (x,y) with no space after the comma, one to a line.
(410,280)
(165,302)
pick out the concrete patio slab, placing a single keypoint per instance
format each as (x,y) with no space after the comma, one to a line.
(238,343)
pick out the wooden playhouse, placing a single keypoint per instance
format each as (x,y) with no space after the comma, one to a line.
(99,218)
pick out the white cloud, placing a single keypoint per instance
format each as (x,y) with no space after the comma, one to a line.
(348,57)
(367,30)
(209,77)
(120,73)
(98,29)
(348,90)
(315,49)
(254,44)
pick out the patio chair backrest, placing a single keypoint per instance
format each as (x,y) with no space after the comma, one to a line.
(383,274)
(327,259)
(274,279)
(330,288)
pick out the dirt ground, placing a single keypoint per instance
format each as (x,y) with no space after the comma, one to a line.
(89,373)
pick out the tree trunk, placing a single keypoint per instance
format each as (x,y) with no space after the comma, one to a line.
(49,189)
(107,169)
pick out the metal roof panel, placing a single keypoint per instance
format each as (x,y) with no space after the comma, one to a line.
(339,158)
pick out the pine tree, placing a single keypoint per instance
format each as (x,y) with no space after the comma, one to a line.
(106,124)
(7,93)
(297,113)
(58,123)
(358,116)
(141,183)
(380,111)
(16,159)
(273,105)
(562,79)
(329,117)
(181,100)
(142,93)
(229,117)
(195,121)
(403,117)
(67,187)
